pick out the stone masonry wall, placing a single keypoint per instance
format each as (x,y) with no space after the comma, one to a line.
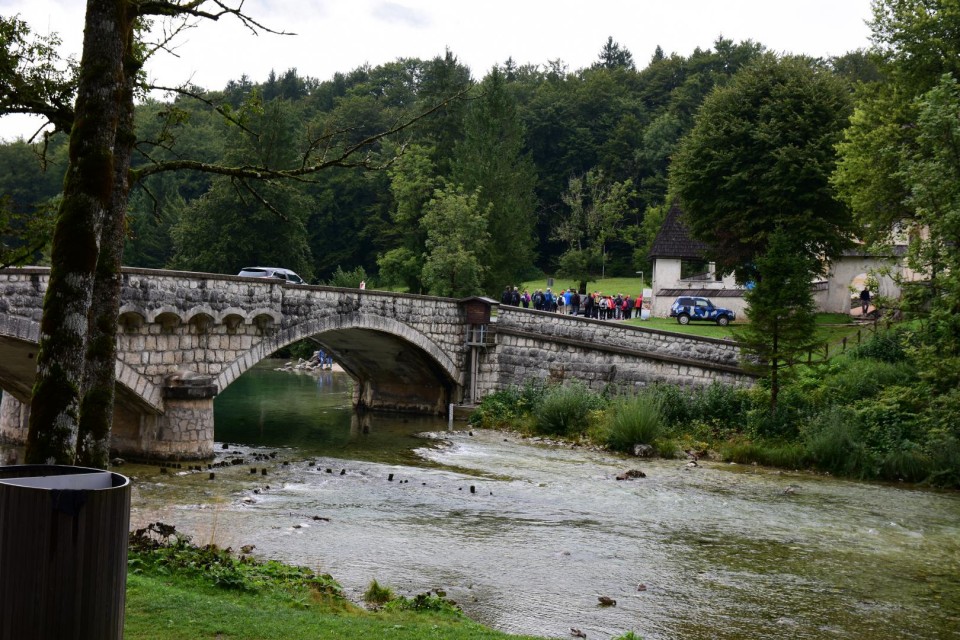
(532,345)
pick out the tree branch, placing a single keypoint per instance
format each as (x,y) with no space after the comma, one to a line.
(342,158)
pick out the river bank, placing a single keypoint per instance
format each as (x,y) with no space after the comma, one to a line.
(527,536)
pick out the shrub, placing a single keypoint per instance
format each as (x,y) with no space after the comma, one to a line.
(507,407)
(781,424)
(884,347)
(349,279)
(908,464)
(424,602)
(565,411)
(944,456)
(834,445)
(675,403)
(859,379)
(722,406)
(889,420)
(632,421)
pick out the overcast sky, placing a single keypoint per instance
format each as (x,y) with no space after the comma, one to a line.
(340,35)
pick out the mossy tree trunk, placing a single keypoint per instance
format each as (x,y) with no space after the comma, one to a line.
(99,383)
(87,194)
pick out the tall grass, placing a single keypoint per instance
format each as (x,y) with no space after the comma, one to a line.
(633,421)
(786,455)
(565,410)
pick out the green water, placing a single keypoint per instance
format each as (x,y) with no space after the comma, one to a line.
(526,537)
(312,414)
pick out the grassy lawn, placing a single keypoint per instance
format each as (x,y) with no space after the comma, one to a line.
(169,607)
(611,286)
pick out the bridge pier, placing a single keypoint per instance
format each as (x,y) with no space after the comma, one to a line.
(14,420)
(183,432)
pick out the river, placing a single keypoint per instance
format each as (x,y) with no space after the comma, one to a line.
(527,537)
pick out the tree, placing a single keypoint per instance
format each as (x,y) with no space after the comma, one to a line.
(232,226)
(96,158)
(33,78)
(932,173)
(491,160)
(456,228)
(76,360)
(760,158)
(413,181)
(781,311)
(914,44)
(597,210)
(613,56)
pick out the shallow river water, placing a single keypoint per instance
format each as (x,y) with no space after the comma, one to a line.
(526,537)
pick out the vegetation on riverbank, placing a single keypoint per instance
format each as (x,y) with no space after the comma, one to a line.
(879,411)
(177,591)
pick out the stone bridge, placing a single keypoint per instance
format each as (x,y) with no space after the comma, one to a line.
(184,337)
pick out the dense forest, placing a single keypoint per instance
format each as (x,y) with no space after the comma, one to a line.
(530,169)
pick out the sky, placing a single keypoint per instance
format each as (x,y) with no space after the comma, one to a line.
(341,35)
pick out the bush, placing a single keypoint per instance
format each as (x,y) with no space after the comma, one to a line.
(834,445)
(864,378)
(889,420)
(349,279)
(908,465)
(506,408)
(943,449)
(676,406)
(424,602)
(565,411)
(782,424)
(884,347)
(723,407)
(786,455)
(632,421)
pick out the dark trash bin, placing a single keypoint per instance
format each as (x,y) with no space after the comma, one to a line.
(63,552)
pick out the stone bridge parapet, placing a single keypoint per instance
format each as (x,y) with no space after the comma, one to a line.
(539,345)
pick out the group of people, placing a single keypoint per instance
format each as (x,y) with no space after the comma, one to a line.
(569,301)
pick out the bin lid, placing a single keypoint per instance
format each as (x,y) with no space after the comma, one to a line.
(75,481)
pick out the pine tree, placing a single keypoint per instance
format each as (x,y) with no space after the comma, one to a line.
(781,311)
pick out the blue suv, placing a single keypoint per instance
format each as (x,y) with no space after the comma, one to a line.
(687,308)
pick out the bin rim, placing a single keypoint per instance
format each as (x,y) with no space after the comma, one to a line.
(28,471)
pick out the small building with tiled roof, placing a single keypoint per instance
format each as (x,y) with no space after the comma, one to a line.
(680,269)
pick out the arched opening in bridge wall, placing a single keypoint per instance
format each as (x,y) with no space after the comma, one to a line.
(394,367)
(18,368)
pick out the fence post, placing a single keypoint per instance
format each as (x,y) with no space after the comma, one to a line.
(844,349)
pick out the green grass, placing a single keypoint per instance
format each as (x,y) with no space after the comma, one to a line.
(176,591)
(701,329)
(611,286)
(165,607)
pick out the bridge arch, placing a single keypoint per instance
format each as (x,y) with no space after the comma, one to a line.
(394,365)
(19,341)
